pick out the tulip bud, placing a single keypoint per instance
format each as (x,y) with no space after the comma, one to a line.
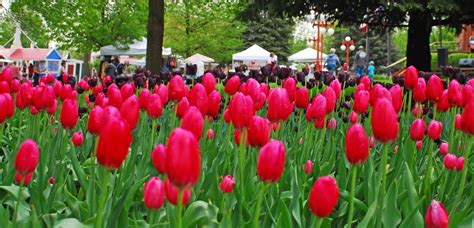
(193,122)
(364,80)
(417,130)
(450,161)
(27,157)
(154,109)
(353,117)
(357,148)
(397,97)
(227,119)
(126,91)
(330,96)
(323,196)
(183,106)
(371,142)
(467,94)
(455,93)
(198,97)
(15,85)
(434,88)
(7,74)
(434,129)
(443,148)
(177,89)
(25,178)
(300,141)
(411,77)
(227,184)
(66,91)
(183,158)
(95,120)
(210,134)
(232,85)
(154,193)
(51,180)
(336,86)
(457,122)
(460,164)
(158,157)
(69,114)
(271,161)
(361,101)
(419,144)
(308,167)
(384,121)
(443,104)
(467,118)
(241,110)
(302,97)
(209,82)
(259,131)
(144,99)
(130,111)
(417,109)
(172,191)
(290,85)
(317,109)
(331,124)
(279,105)
(44,97)
(77,138)
(214,101)
(114,141)
(419,92)
(319,124)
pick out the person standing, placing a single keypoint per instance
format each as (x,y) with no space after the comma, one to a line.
(359,62)
(62,70)
(31,71)
(371,70)
(332,61)
(110,70)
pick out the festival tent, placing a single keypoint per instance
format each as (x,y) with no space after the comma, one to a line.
(199,58)
(254,52)
(138,47)
(307,55)
(49,59)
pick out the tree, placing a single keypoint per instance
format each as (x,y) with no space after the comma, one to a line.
(206,27)
(388,14)
(156,12)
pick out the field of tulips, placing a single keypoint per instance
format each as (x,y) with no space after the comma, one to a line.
(234,152)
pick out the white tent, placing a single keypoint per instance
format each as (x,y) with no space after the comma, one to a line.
(307,55)
(252,53)
(138,47)
(199,58)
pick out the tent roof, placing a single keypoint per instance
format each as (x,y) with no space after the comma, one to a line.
(199,58)
(4,53)
(306,55)
(35,54)
(254,52)
(138,47)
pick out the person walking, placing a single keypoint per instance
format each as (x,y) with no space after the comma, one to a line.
(360,61)
(371,70)
(332,61)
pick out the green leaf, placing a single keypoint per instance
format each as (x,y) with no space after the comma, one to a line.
(200,213)
(69,223)
(284,219)
(370,214)
(13,190)
(391,216)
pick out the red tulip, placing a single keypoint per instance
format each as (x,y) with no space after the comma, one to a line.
(226,116)
(241,110)
(411,77)
(302,97)
(384,121)
(183,158)
(457,122)
(51,180)
(361,101)
(172,191)
(467,94)
(258,104)
(460,164)
(214,101)
(232,85)
(443,148)
(95,120)
(130,111)
(243,88)
(227,184)
(69,114)
(177,89)
(434,89)
(330,96)
(450,161)
(336,86)
(25,178)
(237,134)
(455,93)
(279,105)
(7,74)
(66,92)
(434,129)
(467,118)
(114,141)
(158,157)
(96,90)
(162,91)
(290,85)
(33,110)
(323,196)
(4,87)
(397,97)
(379,92)
(436,216)
(27,157)
(154,193)
(259,131)
(308,167)
(115,97)
(319,124)
(371,142)
(443,103)
(193,122)
(265,89)
(420,90)
(417,130)
(10,105)
(417,109)
(183,106)
(144,99)
(419,144)
(24,98)
(154,109)
(209,82)
(126,91)
(77,138)
(198,97)
(357,148)
(3,111)
(210,134)
(253,89)
(353,117)
(271,161)
(15,85)
(317,109)
(331,125)
(365,81)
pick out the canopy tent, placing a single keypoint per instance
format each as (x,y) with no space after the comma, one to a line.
(254,52)
(307,55)
(49,59)
(138,47)
(199,58)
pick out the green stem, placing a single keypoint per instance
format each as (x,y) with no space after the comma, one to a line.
(319,222)
(464,173)
(92,178)
(351,199)
(382,180)
(17,206)
(443,187)
(102,198)
(243,140)
(427,181)
(180,208)
(259,204)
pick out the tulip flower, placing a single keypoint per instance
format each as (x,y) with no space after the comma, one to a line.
(418,144)
(460,164)
(336,86)
(379,92)
(69,114)
(158,158)
(353,117)
(411,77)
(51,180)
(455,93)
(210,134)
(434,88)
(155,108)
(130,111)
(24,98)
(419,92)
(77,138)
(331,124)
(27,157)
(243,88)
(26,179)
(330,96)
(66,92)
(259,131)
(279,105)
(384,121)
(183,158)
(182,108)
(226,116)
(434,129)
(177,89)
(361,101)
(290,85)
(357,148)
(162,91)
(443,148)
(232,85)
(417,130)
(144,99)
(7,74)
(4,87)
(34,110)
(193,122)
(443,103)
(457,122)
(365,81)
(308,167)
(467,94)
(237,134)
(95,120)
(417,109)
(15,85)
(323,196)
(271,161)
(44,97)
(317,109)
(154,193)
(450,161)
(209,82)
(253,89)
(114,141)
(172,191)
(115,97)
(258,104)
(227,184)
(198,98)
(241,110)
(467,118)
(319,124)
(371,142)
(436,216)
(265,89)
(214,102)
(4,102)
(126,91)
(397,97)
(302,97)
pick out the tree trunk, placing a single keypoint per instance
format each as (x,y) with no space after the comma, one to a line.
(156,13)
(418,44)
(86,67)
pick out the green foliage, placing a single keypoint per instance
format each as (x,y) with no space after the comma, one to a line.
(206,27)
(30,23)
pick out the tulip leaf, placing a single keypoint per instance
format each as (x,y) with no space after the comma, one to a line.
(69,223)
(200,213)
(13,190)
(370,214)
(284,219)
(391,216)
(412,198)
